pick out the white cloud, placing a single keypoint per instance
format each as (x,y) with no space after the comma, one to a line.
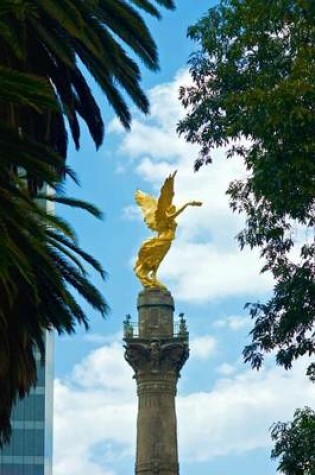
(165,105)
(99,339)
(96,409)
(131,213)
(233,322)
(204,262)
(95,405)
(105,360)
(203,347)
(200,272)
(236,415)
(226,369)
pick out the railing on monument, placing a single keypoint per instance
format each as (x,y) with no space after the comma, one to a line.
(131,330)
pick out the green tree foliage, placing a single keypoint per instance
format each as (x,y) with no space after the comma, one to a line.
(46,47)
(254,92)
(294,443)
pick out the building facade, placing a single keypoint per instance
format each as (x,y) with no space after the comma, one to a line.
(30,449)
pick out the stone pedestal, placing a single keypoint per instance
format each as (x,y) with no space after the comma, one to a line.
(156,353)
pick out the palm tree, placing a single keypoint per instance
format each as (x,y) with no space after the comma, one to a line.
(40,261)
(59,41)
(44,47)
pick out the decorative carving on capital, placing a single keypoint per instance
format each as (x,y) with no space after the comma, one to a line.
(155,355)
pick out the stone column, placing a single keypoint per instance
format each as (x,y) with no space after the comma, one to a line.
(156,354)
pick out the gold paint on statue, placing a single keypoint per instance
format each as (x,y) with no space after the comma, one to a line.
(159,215)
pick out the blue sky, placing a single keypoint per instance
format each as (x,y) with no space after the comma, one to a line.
(224,408)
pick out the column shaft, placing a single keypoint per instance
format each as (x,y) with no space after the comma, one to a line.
(156,426)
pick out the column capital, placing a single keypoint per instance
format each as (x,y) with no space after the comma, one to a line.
(156,356)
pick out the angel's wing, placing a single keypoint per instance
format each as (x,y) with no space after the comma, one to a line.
(165,199)
(148,205)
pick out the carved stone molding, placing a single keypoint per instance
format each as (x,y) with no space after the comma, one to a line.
(155,356)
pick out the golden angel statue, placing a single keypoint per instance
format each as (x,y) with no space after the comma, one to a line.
(159,216)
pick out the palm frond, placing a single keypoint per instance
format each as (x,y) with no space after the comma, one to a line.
(73,202)
(65,13)
(125,22)
(68,244)
(26,90)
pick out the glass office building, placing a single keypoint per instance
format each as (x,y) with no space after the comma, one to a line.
(30,449)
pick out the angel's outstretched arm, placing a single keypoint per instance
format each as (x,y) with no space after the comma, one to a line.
(182,208)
